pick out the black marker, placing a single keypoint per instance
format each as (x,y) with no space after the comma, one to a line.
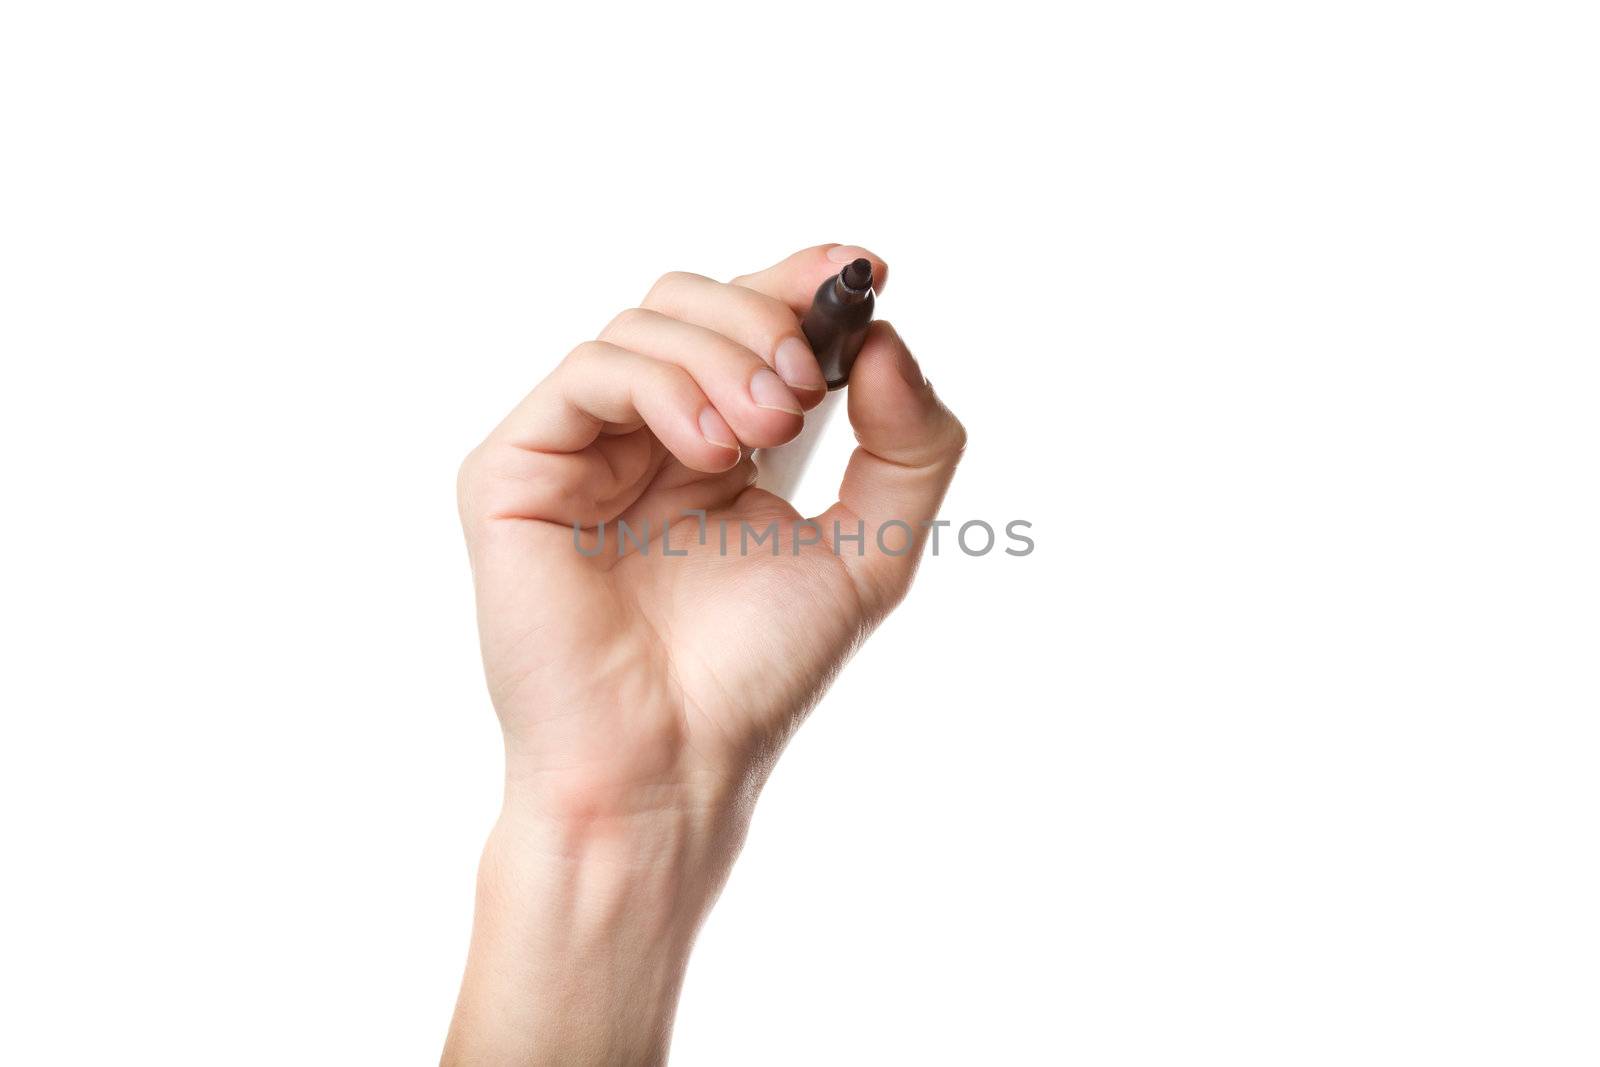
(836,325)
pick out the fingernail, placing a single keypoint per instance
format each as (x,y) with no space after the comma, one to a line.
(715,430)
(768,391)
(797,366)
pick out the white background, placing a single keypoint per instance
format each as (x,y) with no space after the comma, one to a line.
(1278,321)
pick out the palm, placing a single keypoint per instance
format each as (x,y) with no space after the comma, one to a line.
(631,663)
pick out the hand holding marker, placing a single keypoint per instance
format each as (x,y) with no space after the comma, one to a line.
(641,724)
(835,327)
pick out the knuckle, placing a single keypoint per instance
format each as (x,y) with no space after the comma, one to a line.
(668,283)
(467,473)
(762,320)
(947,433)
(626,322)
(470,479)
(674,378)
(496,480)
(586,352)
(958,437)
(772,315)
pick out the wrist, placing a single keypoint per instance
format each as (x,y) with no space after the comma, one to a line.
(585,919)
(645,809)
(657,868)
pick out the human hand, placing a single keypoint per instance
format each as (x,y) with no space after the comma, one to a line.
(644,696)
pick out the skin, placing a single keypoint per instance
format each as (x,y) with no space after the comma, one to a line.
(644,698)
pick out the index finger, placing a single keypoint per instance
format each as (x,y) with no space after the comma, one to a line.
(794,281)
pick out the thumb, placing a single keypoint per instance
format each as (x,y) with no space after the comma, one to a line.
(909,446)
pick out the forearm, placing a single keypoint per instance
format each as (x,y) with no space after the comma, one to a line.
(581,937)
